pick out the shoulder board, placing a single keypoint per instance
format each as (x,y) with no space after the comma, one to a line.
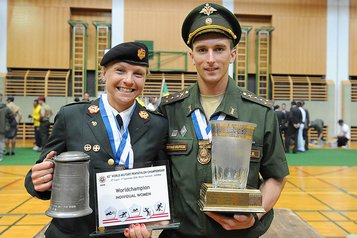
(175,97)
(257,99)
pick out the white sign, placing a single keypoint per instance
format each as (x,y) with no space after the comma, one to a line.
(132,196)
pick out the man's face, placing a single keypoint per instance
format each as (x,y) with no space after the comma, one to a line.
(212,54)
(124,82)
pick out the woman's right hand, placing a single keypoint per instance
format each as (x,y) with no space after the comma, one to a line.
(42,173)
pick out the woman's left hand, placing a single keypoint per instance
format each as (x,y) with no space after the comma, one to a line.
(137,231)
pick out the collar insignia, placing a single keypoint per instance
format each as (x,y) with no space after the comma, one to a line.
(208,10)
(183,131)
(141,53)
(93,109)
(232,110)
(143,115)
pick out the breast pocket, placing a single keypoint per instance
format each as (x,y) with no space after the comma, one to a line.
(179,146)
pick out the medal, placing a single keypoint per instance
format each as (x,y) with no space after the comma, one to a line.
(204,135)
(204,155)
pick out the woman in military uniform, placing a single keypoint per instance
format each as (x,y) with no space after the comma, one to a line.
(98,127)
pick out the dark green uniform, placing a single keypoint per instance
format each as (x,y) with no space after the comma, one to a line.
(80,126)
(267,157)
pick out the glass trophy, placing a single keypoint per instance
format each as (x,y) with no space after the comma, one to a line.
(231,149)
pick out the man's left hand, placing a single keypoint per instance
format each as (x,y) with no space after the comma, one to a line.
(236,222)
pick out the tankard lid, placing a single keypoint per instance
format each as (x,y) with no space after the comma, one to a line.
(71,156)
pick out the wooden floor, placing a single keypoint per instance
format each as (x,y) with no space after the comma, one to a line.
(325,197)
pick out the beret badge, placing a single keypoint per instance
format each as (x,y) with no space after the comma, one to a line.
(141,53)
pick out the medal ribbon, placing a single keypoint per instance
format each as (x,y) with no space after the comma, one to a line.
(202,128)
(119,142)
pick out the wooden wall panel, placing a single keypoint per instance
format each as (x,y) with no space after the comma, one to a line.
(299,38)
(353,38)
(39,35)
(159,21)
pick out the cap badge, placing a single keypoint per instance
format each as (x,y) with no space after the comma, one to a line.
(93,109)
(143,115)
(94,123)
(208,10)
(208,21)
(141,53)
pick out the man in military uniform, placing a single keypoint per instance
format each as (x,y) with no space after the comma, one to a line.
(101,128)
(212,32)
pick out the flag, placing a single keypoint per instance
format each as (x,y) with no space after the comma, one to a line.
(164,91)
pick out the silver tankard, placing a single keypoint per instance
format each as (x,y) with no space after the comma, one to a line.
(70,186)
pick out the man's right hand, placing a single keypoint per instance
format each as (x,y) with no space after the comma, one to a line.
(42,173)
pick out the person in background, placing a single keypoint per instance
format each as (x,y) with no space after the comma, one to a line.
(151,105)
(282,118)
(86,97)
(305,132)
(36,115)
(114,130)
(6,117)
(344,134)
(10,135)
(45,115)
(318,126)
(212,32)
(300,137)
(294,121)
(76,99)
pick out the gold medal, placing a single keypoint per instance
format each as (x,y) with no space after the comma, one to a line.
(204,155)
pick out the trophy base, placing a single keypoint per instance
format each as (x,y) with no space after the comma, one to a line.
(230,200)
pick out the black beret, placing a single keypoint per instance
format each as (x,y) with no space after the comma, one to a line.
(130,52)
(210,17)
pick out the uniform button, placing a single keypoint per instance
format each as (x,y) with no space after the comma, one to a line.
(110,161)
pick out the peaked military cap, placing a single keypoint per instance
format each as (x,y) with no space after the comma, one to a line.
(130,52)
(210,17)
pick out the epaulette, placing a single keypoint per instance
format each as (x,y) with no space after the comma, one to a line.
(175,97)
(257,99)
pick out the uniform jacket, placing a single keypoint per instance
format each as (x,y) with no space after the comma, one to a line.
(6,117)
(75,127)
(267,157)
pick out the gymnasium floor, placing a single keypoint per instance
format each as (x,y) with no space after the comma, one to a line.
(325,197)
